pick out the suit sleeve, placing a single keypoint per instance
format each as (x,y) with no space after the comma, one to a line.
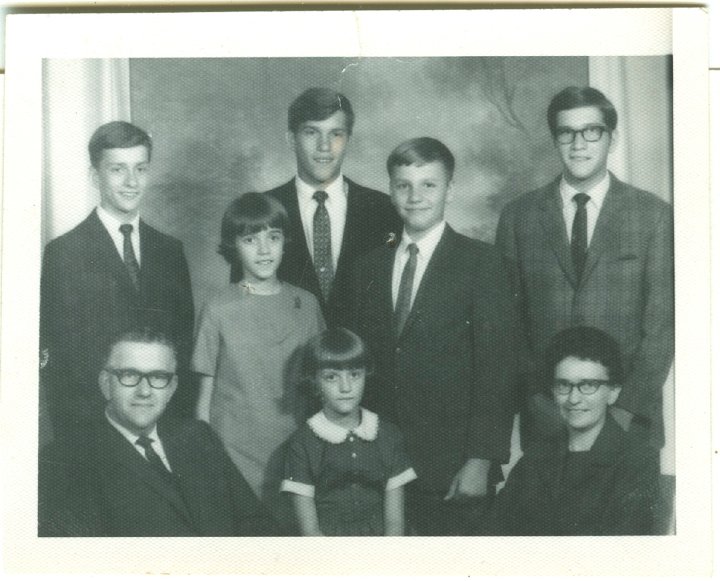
(506,243)
(54,292)
(495,344)
(185,308)
(651,362)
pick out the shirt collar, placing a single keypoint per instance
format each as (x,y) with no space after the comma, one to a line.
(427,244)
(597,193)
(324,429)
(333,190)
(112,224)
(131,436)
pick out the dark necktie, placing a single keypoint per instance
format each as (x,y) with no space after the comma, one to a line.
(403,304)
(322,247)
(578,241)
(129,258)
(152,456)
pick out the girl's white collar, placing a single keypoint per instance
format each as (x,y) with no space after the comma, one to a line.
(324,429)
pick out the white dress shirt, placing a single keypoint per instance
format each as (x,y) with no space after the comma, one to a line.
(426,246)
(597,196)
(132,438)
(336,205)
(112,225)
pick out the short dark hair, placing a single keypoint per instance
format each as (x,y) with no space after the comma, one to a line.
(249,214)
(335,348)
(318,104)
(419,151)
(586,344)
(575,97)
(117,135)
(147,335)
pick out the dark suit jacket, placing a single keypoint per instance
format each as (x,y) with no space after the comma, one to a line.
(626,288)
(612,489)
(447,380)
(370,219)
(87,298)
(102,486)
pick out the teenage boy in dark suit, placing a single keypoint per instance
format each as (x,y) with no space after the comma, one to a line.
(111,272)
(436,311)
(333,220)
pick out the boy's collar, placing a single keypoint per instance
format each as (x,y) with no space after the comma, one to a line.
(324,429)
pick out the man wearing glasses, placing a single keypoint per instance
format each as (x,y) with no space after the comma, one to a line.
(589,249)
(137,474)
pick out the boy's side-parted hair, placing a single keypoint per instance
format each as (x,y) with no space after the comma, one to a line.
(117,135)
(419,151)
(249,214)
(576,97)
(318,104)
(586,344)
(335,348)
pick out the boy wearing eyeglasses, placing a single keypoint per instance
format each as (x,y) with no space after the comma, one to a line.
(594,479)
(589,249)
(137,474)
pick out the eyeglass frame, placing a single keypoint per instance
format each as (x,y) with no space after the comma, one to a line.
(147,376)
(582,386)
(595,126)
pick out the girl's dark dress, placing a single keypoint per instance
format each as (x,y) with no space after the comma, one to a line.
(347,472)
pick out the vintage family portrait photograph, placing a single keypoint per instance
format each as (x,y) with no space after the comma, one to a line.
(424,286)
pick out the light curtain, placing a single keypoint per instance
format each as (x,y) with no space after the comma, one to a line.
(79,96)
(642,158)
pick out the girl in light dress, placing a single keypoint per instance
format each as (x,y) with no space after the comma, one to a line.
(346,468)
(247,346)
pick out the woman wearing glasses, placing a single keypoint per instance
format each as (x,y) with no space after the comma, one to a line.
(596,479)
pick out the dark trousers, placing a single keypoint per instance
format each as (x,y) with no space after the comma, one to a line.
(429,515)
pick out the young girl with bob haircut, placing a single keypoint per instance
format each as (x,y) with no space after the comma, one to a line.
(346,468)
(248,336)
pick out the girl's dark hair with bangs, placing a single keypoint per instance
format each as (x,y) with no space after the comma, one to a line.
(249,214)
(335,348)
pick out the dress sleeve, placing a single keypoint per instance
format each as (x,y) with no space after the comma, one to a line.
(400,469)
(207,342)
(298,466)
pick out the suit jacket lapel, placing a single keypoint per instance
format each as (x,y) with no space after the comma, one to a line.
(607,229)
(297,234)
(355,218)
(437,274)
(551,218)
(124,453)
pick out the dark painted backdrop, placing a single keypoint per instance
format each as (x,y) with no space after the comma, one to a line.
(219,130)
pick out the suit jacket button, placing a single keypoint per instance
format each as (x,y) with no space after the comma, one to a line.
(397,350)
